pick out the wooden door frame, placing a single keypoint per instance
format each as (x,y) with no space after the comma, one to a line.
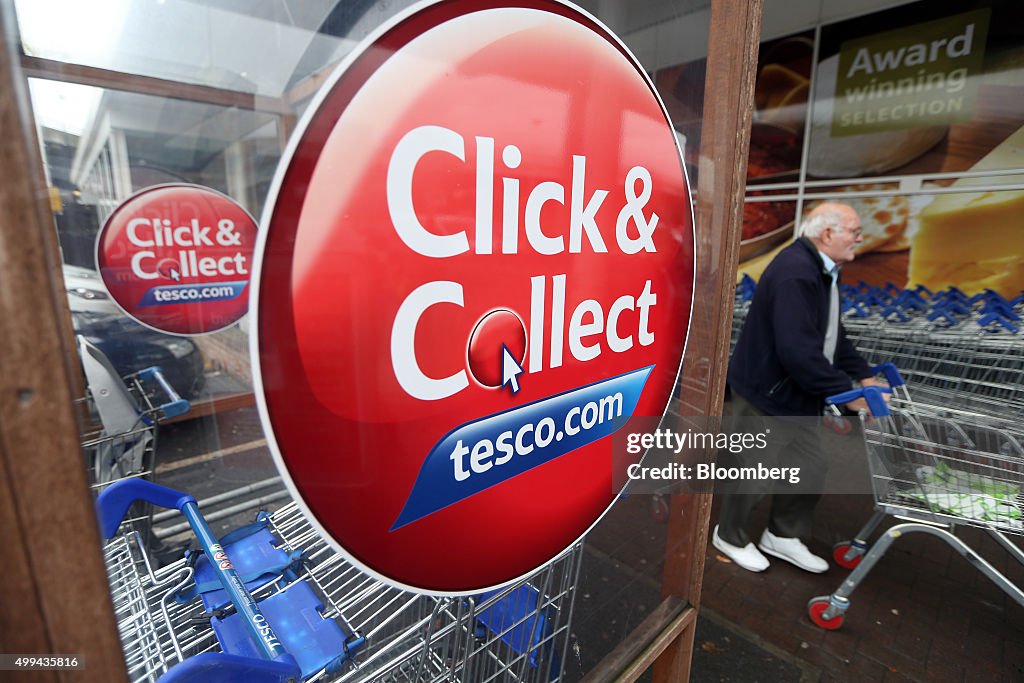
(56,597)
(664,641)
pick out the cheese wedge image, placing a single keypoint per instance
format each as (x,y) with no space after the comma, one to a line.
(974,240)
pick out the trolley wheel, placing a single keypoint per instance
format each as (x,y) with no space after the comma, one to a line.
(659,508)
(839,551)
(839,425)
(816,607)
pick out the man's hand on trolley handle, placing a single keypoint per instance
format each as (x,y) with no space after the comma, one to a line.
(861,404)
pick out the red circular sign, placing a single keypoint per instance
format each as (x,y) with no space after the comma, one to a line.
(473,158)
(178,258)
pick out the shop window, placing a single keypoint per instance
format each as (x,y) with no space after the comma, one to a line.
(908,105)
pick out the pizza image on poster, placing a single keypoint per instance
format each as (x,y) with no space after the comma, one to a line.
(178,258)
(475,266)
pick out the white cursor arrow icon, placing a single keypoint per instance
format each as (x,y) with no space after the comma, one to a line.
(510,369)
(175,275)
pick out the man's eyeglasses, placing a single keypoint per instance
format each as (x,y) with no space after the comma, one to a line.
(855,232)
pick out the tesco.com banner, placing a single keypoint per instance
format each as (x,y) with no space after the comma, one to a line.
(490,450)
(477,265)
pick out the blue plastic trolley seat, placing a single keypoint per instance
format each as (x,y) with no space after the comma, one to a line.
(296,615)
(517,619)
(256,558)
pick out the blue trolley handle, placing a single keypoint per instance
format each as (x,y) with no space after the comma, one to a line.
(176,405)
(873,395)
(892,374)
(112,505)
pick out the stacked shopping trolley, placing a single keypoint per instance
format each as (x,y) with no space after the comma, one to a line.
(121,414)
(274,602)
(951,349)
(945,444)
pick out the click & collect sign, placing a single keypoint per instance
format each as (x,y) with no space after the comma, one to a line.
(477,265)
(178,258)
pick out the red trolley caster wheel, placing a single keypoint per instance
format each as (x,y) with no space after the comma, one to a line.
(839,551)
(815,610)
(839,425)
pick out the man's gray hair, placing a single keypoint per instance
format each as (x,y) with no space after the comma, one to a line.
(819,220)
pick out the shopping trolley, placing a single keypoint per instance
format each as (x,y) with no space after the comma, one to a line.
(940,467)
(521,632)
(239,610)
(962,364)
(950,347)
(121,414)
(325,619)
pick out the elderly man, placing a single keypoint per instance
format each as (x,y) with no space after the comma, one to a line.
(791,354)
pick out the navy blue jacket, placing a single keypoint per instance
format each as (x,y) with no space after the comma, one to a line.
(778,364)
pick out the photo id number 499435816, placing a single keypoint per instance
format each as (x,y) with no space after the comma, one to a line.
(40,662)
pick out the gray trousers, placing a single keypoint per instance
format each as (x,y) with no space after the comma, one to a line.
(790,444)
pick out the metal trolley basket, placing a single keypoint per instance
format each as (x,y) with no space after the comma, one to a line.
(278,604)
(120,438)
(940,468)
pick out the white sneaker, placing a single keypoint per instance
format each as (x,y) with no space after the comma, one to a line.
(792,550)
(747,557)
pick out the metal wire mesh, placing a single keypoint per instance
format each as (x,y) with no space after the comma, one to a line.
(945,360)
(518,633)
(948,465)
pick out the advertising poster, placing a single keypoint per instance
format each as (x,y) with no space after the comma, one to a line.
(781,94)
(780,97)
(929,89)
(916,117)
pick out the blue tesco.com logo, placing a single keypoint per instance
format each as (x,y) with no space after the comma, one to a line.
(177,294)
(486,452)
